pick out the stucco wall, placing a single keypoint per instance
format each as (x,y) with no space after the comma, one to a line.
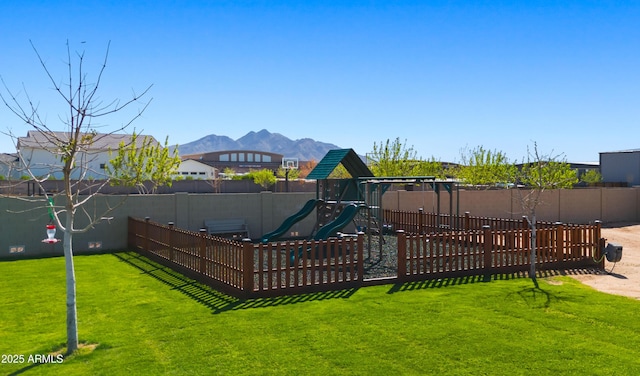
(620,204)
(578,205)
(22,222)
(571,205)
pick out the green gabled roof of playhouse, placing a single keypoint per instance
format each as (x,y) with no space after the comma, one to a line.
(349,159)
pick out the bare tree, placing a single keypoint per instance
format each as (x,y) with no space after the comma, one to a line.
(538,174)
(84,116)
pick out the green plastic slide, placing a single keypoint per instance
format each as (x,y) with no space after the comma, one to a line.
(331,228)
(286,225)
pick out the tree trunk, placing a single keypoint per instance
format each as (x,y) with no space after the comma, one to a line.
(534,242)
(72,316)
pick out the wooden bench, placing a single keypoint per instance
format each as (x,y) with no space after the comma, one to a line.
(229,228)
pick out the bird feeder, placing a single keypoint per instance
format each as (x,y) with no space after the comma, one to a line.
(51,233)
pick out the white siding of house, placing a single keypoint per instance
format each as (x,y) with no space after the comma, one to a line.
(196,170)
(44,162)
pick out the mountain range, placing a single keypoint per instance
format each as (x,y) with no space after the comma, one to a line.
(305,149)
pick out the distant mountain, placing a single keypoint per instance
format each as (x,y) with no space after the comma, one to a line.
(304,149)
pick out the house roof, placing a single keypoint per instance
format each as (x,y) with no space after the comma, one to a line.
(571,164)
(8,157)
(621,151)
(215,155)
(349,159)
(101,141)
(196,161)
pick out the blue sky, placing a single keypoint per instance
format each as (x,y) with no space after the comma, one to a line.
(442,75)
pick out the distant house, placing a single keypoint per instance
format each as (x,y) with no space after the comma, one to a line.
(39,153)
(582,168)
(621,166)
(240,161)
(9,166)
(194,169)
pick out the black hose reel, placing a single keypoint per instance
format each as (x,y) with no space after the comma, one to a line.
(613,252)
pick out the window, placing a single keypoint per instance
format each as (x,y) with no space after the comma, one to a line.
(257,157)
(224,157)
(234,157)
(241,157)
(266,158)
(249,157)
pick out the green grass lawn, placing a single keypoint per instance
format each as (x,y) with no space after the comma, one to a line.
(148,320)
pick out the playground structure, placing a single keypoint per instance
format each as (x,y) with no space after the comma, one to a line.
(356,200)
(327,260)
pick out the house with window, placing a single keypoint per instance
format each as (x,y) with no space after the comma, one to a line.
(240,161)
(197,170)
(39,153)
(9,166)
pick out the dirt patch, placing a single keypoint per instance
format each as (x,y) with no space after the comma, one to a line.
(622,278)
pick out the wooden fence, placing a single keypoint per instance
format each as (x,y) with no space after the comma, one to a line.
(423,223)
(249,270)
(489,251)
(214,261)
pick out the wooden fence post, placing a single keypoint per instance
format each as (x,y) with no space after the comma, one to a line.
(420,221)
(526,235)
(467,220)
(247,267)
(146,233)
(171,245)
(360,256)
(560,253)
(203,251)
(402,255)
(599,244)
(488,252)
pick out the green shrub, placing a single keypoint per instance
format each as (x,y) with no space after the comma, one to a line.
(264,178)
(591,177)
